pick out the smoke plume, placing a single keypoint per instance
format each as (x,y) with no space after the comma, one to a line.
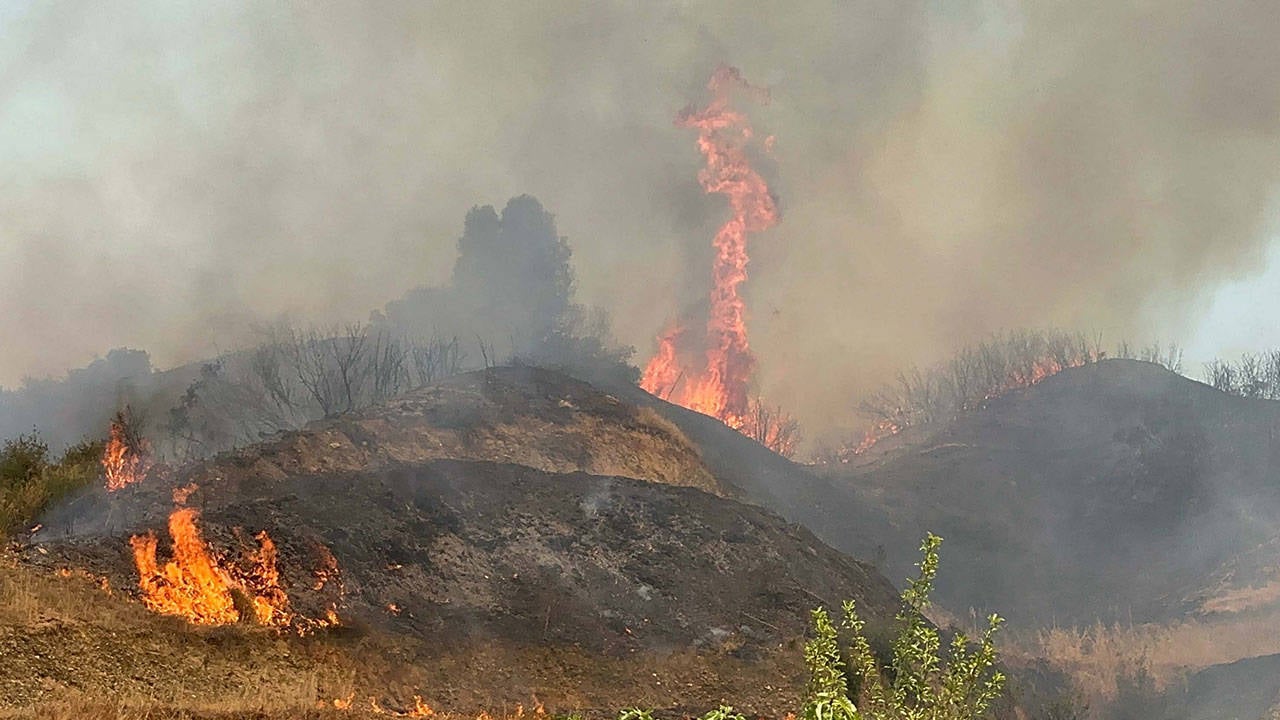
(173,171)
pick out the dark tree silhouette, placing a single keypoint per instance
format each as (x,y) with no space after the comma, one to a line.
(513,271)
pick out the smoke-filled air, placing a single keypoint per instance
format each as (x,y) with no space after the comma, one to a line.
(175,172)
(862,360)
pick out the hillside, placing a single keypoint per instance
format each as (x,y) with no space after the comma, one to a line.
(763,477)
(1117,491)
(487,549)
(1106,491)
(1243,689)
(1113,490)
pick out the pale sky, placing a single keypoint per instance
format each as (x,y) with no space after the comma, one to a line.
(1242,316)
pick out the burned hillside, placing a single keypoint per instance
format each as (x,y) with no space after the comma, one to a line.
(1103,491)
(490,514)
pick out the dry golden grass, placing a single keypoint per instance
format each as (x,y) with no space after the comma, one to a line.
(72,647)
(68,650)
(1244,599)
(90,709)
(646,415)
(1098,657)
(28,596)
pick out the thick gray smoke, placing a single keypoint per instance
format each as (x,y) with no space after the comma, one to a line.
(172,171)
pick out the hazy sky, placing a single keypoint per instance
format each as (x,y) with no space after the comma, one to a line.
(172,171)
(1240,316)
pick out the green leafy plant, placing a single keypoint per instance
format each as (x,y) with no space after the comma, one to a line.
(919,683)
(29,482)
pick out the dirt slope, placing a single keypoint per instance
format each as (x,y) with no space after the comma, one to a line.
(479,567)
(762,477)
(1247,690)
(486,549)
(521,415)
(510,561)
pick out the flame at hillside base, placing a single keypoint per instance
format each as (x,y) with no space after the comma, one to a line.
(717,383)
(421,709)
(193,585)
(200,586)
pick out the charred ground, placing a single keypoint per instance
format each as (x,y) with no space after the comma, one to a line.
(472,582)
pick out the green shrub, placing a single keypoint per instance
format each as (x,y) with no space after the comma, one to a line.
(29,483)
(21,460)
(918,683)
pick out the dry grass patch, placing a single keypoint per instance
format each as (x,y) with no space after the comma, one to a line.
(1101,657)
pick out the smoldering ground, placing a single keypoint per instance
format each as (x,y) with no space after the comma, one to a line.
(174,171)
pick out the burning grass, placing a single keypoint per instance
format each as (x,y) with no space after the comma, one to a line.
(972,377)
(205,587)
(260,705)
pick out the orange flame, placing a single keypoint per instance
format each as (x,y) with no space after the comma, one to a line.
(882,430)
(200,586)
(719,388)
(1040,369)
(123,462)
(193,585)
(421,709)
(182,494)
(270,602)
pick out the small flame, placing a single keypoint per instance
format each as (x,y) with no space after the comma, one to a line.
(327,571)
(125,458)
(182,494)
(882,430)
(1038,371)
(420,709)
(270,602)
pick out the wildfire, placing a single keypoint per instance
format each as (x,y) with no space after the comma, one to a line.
(881,430)
(182,494)
(193,585)
(1016,375)
(201,586)
(420,708)
(125,458)
(1039,370)
(718,384)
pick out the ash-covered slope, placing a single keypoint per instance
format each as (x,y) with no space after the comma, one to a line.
(464,528)
(1244,690)
(767,479)
(522,415)
(469,551)
(1114,490)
